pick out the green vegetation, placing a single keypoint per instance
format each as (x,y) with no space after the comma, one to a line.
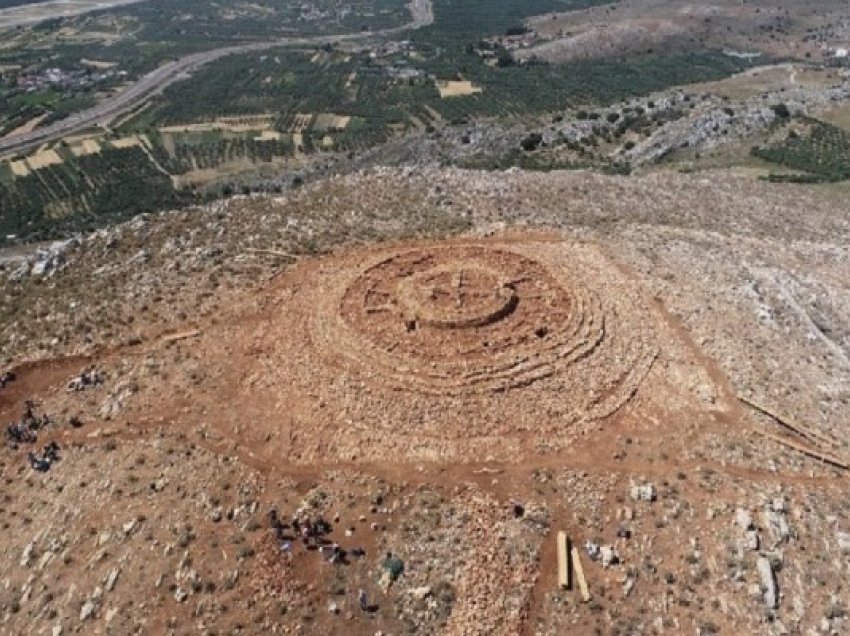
(6,176)
(520,159)
(383,94)
(821,154)
(137,38)
(199,24)
(84,193)
(781,111)
(287,82)
(140,36)
(71,104)
(210,150)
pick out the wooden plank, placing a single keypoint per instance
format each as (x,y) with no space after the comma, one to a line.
(175,337)
(806,450)
(253,250)
(811,435)
(563,560)
(579,572)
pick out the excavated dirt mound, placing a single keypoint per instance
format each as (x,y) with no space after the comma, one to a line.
(461,319)
(460,351)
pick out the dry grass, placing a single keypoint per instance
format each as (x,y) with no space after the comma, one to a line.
(330,121)
(763,79)
(224,124)
(19,168)
(840,117)
(43,158)
(29,125)
(99,64)
(128,142)
(268,135)
(637,25)
(32,13)
(301,122)
(85,147)
(457,88)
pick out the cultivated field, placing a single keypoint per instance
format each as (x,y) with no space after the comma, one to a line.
(451,88)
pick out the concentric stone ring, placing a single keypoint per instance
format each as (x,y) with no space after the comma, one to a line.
(420,348)
(465,318)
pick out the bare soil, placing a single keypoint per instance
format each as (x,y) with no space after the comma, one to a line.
(779,28)
(410,354)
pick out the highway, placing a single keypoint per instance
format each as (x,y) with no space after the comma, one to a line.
(154,82)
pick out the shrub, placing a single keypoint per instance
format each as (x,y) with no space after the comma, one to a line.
(781,111)
(531,142)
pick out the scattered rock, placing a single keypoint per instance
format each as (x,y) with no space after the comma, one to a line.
(744,519)
(643,492)
(52,259)
(87,611)
(609,556)
(843,539)
(84,380)
(28,554)
(111,578)
(768,582)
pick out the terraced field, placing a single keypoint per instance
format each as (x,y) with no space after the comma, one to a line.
(821,152)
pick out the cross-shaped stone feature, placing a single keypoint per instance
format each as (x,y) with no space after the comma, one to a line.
(454,296)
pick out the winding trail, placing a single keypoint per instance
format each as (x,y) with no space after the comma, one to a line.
(422,14)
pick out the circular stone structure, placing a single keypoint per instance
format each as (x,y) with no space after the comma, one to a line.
(419,349)
(456,296)
(463,318)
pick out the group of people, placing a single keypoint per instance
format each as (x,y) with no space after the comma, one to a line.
(18,433)
(313,530)
(7,377)
(24,431)
(43,462)
(85,379)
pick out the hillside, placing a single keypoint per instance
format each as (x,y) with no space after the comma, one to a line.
(439,317)
(242,360)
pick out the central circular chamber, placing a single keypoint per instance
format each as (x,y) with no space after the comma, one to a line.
(456,296)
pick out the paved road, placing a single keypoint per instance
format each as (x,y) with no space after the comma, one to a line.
(422,15)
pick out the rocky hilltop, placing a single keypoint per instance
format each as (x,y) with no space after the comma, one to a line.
(370,405)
